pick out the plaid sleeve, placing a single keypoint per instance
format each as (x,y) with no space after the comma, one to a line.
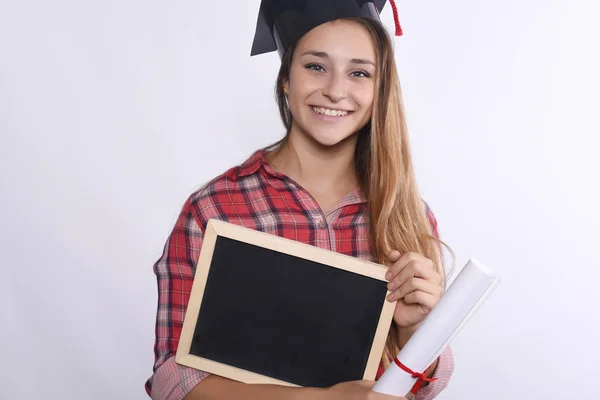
(175,275)
(442,376)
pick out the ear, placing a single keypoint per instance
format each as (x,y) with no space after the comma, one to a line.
(286,87)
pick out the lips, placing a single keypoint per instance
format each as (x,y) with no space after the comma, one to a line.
(330,112)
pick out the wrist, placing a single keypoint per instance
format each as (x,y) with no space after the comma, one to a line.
(405,333)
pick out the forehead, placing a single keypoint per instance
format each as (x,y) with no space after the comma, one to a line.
(340,37)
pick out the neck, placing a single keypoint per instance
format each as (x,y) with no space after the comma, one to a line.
(319,169)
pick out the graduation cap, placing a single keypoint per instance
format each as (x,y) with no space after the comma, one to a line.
(282,22)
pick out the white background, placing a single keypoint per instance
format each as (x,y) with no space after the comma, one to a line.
(112,112)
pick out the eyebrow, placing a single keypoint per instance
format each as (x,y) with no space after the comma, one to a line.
(322,54)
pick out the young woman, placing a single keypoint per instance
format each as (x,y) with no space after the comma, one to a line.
(340,179)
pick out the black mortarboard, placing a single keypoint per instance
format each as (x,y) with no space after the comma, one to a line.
(282,22)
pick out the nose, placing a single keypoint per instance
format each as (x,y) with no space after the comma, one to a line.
(335,88)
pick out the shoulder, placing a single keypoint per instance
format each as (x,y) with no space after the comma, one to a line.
(218,197)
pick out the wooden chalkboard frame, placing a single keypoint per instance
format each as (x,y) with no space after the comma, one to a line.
(217,228)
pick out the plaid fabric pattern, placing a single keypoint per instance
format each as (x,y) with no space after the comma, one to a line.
(256,196)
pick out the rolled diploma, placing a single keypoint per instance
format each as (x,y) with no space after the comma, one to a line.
(462,299)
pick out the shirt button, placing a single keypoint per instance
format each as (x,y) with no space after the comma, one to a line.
(322,225)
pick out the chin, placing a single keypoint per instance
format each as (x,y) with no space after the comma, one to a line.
(330,139)
(330,136)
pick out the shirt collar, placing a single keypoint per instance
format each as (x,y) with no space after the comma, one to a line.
(255,162)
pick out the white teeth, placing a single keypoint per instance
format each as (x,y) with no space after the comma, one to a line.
(331,113)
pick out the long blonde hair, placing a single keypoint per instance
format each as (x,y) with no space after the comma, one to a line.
(383,162)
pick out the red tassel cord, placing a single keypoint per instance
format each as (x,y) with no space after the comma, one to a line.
(422,378)
(396,19)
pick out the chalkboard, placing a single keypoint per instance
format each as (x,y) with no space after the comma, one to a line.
(265,309)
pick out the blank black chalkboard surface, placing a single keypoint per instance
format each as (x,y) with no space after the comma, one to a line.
(265,309)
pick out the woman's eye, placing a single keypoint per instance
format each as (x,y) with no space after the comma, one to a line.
(315,67)
(361,74)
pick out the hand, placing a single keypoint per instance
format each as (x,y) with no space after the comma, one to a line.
(415,285)
(356,390)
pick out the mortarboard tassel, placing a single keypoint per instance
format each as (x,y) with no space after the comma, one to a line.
(396,19)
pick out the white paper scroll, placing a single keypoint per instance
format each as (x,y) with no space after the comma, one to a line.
(461,301)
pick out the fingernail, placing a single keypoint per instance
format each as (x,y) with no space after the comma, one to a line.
(391,285)
(388,275)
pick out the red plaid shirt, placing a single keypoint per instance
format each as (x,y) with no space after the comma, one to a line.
(256,196)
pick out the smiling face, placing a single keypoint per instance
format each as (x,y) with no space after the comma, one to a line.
(331,85)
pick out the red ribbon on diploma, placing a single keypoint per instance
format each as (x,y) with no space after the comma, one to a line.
(422,378)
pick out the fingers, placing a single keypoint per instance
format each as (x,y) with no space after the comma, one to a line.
(400,290)
(394,256)
(413,278)
(424,299)
(412,270)
(418,265)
